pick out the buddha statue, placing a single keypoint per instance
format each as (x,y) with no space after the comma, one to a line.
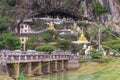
(51,26)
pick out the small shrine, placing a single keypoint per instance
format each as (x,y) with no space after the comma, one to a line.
(82,38)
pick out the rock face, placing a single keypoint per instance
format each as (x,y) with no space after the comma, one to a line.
(71,7)
(113,6)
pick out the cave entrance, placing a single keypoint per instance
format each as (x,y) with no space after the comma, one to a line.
(55,14)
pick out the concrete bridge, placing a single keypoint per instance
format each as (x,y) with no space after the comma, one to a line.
(36,64)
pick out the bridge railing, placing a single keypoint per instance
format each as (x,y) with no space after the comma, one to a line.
(36,58)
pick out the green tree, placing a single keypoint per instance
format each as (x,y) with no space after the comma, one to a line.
(46,48)
(3,25)
(64,44)
(9,41)
(8,15)
(47,36)
(30,43)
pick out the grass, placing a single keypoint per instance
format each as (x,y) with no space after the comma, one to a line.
(100,71)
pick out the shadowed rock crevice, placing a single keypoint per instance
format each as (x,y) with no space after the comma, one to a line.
(55,14)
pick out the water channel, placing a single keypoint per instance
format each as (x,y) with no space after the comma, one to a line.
(65,75)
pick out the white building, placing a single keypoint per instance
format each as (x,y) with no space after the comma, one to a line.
(24,29)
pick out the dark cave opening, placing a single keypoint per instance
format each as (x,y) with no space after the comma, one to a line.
(55,14)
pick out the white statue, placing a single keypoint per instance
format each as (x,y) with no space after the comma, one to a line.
(87,53)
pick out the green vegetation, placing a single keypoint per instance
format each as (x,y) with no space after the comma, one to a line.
(64,44)
(99,9)
(3,25)
(119,0)
(88,1)
(95,54)
(82,11)
(48,35)
(9,41)
(103,60)
(46,48)
(97,71)
(11,2)
(21,77)
(29,43)
(112,41)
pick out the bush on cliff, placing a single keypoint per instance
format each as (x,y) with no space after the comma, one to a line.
(46,48)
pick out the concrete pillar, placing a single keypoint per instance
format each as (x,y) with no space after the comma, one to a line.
(14,70)
(17,70)
(66,64)
(26,68)
(54,66)
(36,67)
(40,68)
(29,71)
(11,70)
(46,67)
(62,68)
(61,65)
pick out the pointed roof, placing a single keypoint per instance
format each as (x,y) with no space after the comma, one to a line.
(82,37)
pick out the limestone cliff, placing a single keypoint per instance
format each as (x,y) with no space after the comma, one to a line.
(70,7)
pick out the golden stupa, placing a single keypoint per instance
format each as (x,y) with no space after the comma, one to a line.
(51,26)
(82,37)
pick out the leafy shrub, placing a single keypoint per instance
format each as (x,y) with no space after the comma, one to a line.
(11,2)
(64,44)
(47,36)
(95,54)
(98,8)
(46,48)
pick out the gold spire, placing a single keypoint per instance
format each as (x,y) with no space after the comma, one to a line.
(82,37)
(51,26)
